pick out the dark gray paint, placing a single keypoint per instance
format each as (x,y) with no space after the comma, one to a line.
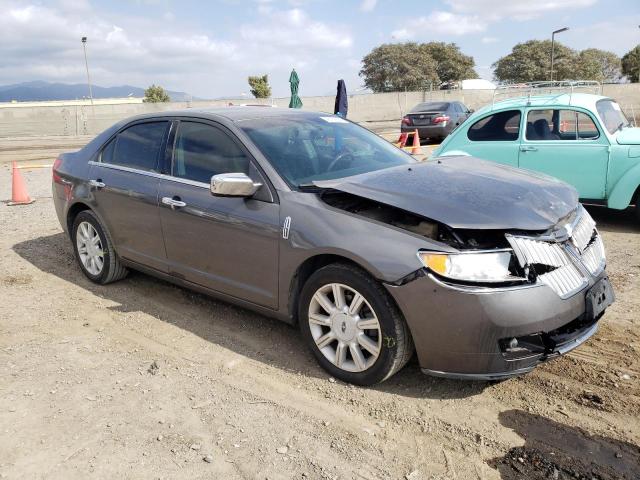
(234,249)
(465,192)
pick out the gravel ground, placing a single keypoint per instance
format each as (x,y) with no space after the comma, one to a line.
(142,379)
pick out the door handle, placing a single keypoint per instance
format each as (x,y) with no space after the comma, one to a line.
(174,202)
(97,183)
(528,148)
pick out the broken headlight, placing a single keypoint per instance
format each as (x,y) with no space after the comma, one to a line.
(478,266)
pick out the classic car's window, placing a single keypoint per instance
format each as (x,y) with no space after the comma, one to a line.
(499,127)
(320,147)
(136,147)
(560,124)
(202,151)
(430,107)
(611,115)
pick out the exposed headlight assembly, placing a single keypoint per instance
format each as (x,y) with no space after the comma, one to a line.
(478,267)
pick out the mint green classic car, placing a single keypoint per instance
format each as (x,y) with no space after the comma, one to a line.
(582,139)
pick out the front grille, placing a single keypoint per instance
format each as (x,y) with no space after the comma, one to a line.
(566,256)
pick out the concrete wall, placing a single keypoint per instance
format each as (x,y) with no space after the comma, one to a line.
(369,109)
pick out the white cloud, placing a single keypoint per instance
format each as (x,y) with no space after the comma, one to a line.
(294,29)
(368,5)
(517,9)
(439,23)
(43,43)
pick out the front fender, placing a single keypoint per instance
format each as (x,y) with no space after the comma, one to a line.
(622,192)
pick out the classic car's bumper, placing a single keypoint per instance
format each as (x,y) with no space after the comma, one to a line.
(462,332)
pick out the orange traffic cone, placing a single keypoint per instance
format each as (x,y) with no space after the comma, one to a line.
(416,150)
(402,141)
(19,194)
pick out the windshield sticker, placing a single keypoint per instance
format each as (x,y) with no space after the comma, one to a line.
(615,106)
(334,120)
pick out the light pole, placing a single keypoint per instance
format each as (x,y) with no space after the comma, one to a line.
(553,35)
(86,64)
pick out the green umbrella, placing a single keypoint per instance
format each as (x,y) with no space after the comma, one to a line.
(295,99)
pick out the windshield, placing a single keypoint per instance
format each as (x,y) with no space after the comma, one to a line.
(431,107)
(307,148)
(611,115)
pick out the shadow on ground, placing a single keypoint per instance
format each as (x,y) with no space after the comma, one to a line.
(556,451)
(242,331)
(618,221)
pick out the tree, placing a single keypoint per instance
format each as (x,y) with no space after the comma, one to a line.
(631,64)
(260,86)
(399,66)
(531,61)
(156,94)
(451,64)
(600,65)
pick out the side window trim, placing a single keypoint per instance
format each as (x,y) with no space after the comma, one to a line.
(254,166)
(114,138)
(492,113)
(575,110)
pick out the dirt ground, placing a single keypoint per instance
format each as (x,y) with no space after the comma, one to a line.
(142,379)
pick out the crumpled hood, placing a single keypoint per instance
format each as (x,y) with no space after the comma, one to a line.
(628,136)
(465,192)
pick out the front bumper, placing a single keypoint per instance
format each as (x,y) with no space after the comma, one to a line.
(460,332)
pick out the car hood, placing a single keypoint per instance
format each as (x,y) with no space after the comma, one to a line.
(465,192)
(629,136)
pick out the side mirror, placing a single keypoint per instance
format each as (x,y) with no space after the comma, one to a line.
(471,110)
(233,185)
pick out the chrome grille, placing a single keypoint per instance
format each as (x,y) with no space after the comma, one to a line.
(568,264)
(584,230)
(565,279)
(594,257)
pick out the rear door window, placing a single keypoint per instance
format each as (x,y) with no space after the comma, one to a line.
(499,127)
(136,147)
(202,151)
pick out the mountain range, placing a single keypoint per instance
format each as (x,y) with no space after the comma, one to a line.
(39,91)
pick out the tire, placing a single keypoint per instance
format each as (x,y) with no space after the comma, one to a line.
(392,337)
(111,269)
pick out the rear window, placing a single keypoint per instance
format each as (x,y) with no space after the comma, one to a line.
(430,107)
(611,115)
(499,127)
(136,147)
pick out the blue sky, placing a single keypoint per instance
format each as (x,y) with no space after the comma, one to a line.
(209,48)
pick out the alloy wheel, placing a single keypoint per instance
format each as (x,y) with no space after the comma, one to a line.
(90,248)
(344,327)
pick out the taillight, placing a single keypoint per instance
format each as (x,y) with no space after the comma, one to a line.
(406,120)
(54,169)
(440,119)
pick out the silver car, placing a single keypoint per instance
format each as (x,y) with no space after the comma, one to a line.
(483,270)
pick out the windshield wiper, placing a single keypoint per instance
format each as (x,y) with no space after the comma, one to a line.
(309,187)
(619,127)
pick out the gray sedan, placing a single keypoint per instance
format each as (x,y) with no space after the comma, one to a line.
(435,120)
(484,270)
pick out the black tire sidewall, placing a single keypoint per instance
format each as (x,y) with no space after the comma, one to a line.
(379,302)
(88,217)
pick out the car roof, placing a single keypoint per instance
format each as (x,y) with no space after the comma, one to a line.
(230,114)
(584,100)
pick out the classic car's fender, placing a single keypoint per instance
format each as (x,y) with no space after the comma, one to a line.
(622,192)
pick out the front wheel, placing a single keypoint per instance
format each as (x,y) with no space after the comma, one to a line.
(352,326)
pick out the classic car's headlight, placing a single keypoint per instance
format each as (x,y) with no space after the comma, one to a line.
(471,267)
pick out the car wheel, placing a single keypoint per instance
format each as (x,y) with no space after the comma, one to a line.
(94,250)
(352,325)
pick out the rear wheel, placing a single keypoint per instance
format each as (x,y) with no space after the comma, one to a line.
(352,325)
(94,250)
